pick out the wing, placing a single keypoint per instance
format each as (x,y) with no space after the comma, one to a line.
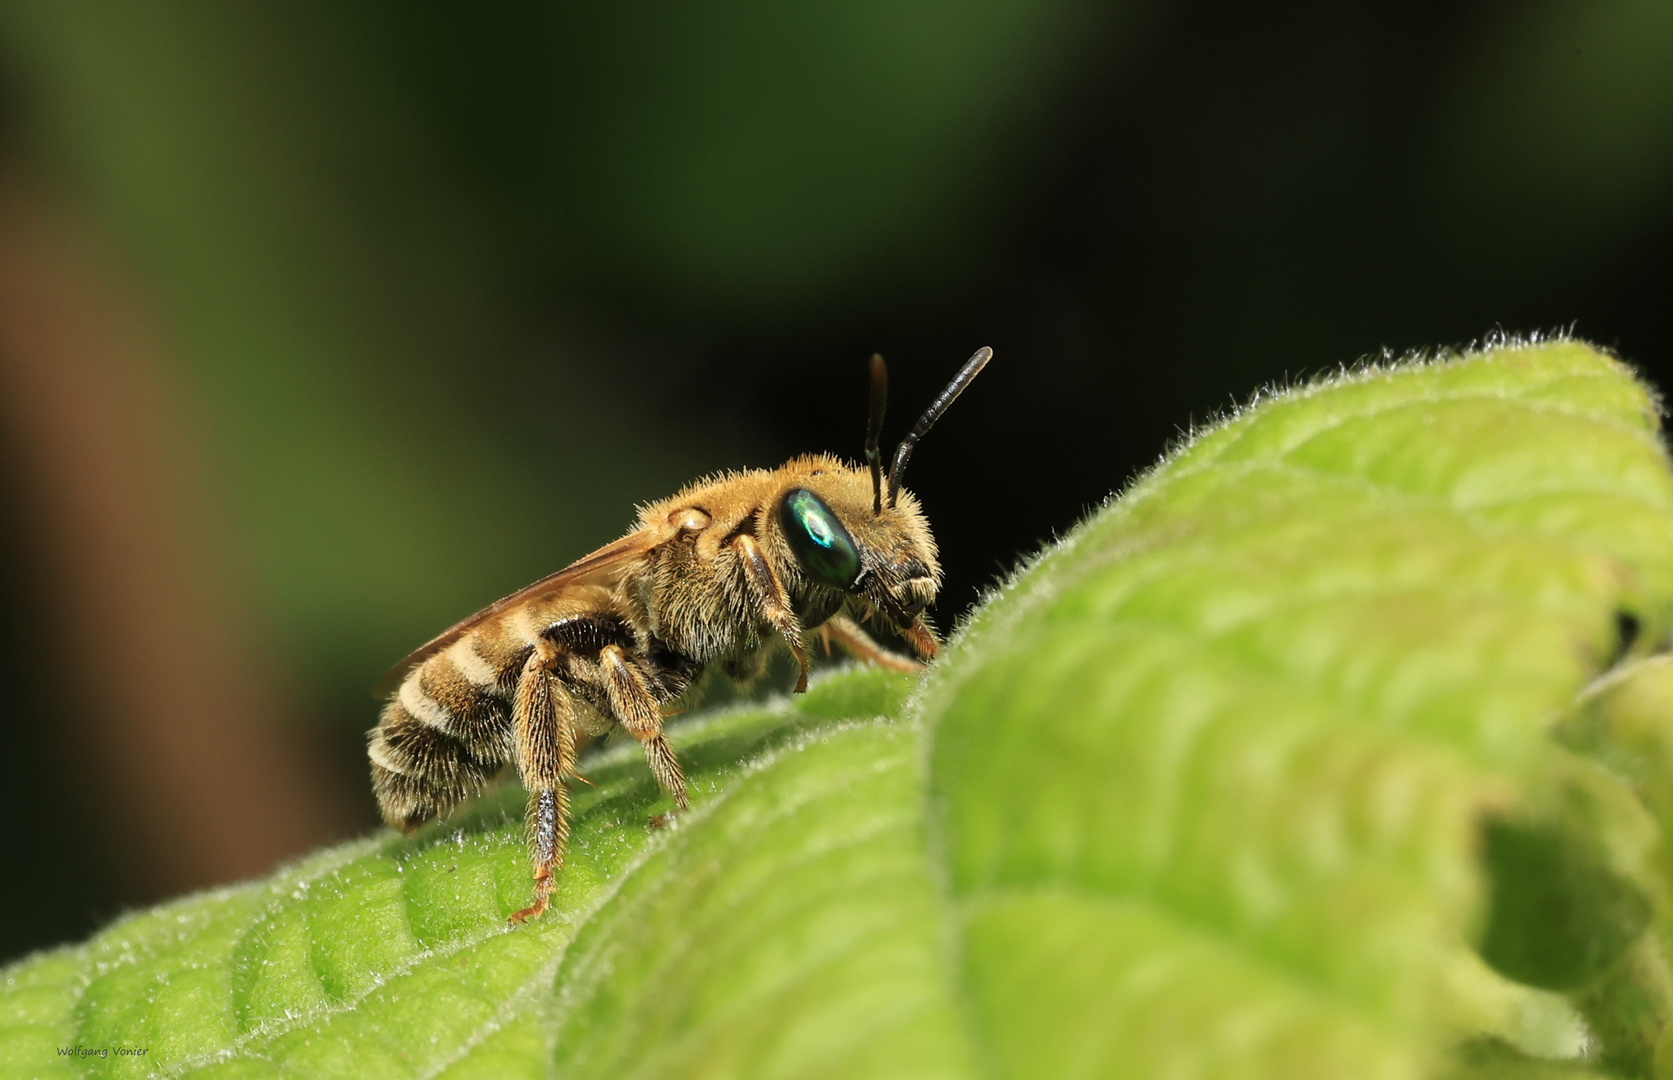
(586,570)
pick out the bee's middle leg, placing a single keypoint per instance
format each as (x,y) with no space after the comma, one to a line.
(636,708)
(543,722)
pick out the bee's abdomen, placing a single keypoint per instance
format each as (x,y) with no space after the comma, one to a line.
(440,737)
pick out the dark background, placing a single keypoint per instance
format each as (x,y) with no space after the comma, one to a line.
(323,325)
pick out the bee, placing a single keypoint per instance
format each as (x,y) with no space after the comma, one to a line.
(711,576)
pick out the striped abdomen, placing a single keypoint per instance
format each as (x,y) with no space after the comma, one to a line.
(448,728)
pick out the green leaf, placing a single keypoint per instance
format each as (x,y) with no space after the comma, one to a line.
(1233,782)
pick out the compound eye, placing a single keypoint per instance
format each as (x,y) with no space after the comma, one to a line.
(820,542)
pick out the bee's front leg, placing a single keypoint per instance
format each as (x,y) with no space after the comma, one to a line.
(774,602)
(861,646)
(922,640)
(543,723)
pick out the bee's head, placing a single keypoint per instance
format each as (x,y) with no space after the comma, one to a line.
(849,540)
(884,564)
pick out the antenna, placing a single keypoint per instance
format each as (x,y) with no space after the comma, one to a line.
(903,452)
(874,429)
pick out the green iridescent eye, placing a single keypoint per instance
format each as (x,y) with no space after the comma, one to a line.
(816,536)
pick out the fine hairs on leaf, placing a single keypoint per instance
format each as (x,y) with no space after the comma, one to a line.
(1340,744)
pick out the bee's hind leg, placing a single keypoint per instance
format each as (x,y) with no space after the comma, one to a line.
(635,708)
(543,723)
(861,646)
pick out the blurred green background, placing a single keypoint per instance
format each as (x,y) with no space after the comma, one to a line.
(322,325)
